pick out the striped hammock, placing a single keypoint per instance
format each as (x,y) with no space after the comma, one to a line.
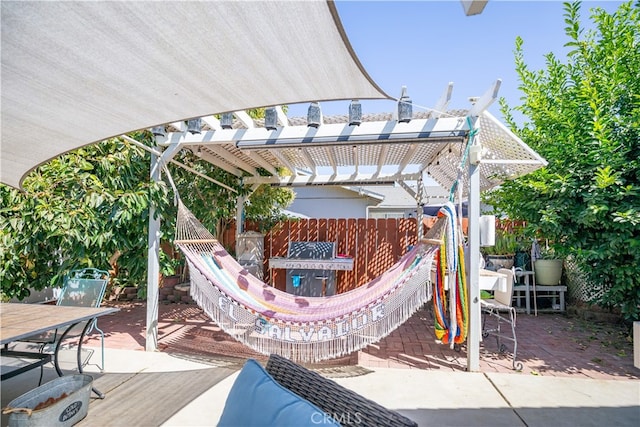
(304,329)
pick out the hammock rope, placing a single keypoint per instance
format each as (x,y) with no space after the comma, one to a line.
(305,329)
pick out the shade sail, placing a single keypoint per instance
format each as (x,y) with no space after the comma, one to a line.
(75,73)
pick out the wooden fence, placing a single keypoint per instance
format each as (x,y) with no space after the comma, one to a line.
(374,244)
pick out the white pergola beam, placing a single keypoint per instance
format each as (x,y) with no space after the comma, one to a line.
(509,162)
(408,189)
(379,132)
(408,156)
(212,122)
(168,154)
(256,157)
(331,154)
(208,157)
(245,118)
(383,156)
(337,179)
(309,161)
(443,103)
(285,162)
(233,160)
(282,117)
(181,126)
(355,162)
(485,101)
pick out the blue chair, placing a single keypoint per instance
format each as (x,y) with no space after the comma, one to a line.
(86,288)
(81,288)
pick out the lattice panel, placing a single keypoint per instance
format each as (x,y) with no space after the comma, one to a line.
(580,289)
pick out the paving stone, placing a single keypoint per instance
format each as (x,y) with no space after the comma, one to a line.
(548,344)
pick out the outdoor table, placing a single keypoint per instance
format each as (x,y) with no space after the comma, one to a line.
(527,277)
(19,321)
(488,280)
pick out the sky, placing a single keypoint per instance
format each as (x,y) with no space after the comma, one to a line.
(424,45)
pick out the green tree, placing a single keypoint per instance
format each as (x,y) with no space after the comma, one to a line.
(90,207)
(583,117)
(79,210)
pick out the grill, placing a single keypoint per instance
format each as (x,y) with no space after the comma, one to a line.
(311,268)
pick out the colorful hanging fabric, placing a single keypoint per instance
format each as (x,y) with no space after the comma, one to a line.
(451,327)
(440,299)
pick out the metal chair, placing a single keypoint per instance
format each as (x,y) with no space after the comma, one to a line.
(81,288)
(500,307)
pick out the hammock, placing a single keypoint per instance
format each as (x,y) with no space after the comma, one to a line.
(304,329)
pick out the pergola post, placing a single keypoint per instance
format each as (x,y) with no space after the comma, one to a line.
(158,161)
(420,209)
(239,216)
(474,335)
(153,266)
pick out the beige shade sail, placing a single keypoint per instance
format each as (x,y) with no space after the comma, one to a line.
(75,73)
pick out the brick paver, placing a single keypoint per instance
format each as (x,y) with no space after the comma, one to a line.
(550,344)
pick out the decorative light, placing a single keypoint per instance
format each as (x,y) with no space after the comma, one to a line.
(355,113)
(194,125)
(226,121)
(158,131)
(405,107)
(314,115)
(271,118)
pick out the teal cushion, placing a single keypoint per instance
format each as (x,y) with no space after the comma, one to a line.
(256,399)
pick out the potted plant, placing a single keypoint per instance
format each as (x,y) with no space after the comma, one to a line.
(501,254)
(548,268)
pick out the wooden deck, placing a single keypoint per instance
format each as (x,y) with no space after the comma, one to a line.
(148,399)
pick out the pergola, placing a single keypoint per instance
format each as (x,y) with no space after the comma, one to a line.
(364,150)
(76,73)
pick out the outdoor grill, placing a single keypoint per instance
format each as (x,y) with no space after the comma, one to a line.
(311,268)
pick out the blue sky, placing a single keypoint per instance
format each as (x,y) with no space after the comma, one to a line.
(424,45)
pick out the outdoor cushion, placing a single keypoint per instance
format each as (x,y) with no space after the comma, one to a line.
(256,399)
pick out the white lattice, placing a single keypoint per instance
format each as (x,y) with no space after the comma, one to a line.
(580,289)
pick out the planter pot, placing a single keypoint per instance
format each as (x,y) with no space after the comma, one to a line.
(170,281)
(500,261)
(62,402)
(548,272)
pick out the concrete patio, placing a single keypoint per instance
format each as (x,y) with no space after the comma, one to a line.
(576,373)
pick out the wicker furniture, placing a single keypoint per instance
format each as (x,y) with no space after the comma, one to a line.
(342,404)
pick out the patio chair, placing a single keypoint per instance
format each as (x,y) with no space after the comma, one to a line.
(500,307)
(81,288)
(346,406)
